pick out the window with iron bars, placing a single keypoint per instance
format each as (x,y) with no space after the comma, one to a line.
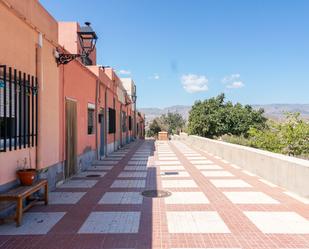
(130,123)
(18,109)
(124,122)
(111,120)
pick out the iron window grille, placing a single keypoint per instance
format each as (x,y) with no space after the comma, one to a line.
(91,126)
(18,109)
(130,123)
(111,121)
(124,122)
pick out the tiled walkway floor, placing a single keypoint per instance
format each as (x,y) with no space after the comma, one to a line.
(213,204)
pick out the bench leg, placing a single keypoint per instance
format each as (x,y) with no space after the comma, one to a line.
(46,194)
(19,212)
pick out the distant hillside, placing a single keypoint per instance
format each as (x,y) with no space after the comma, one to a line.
(272,111)
(276,111)
(152,113)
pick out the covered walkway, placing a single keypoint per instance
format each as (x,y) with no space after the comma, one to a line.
(213,204)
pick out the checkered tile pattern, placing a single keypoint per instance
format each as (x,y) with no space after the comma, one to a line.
(213,205)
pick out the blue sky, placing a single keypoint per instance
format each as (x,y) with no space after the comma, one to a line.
(177,51)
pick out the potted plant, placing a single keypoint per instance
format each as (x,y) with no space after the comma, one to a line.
(26,175)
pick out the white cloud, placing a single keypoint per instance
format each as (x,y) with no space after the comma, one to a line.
(155,76)
(233,81)
(236,84)
(193,83)
(124,72)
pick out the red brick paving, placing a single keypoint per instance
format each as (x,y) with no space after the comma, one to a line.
(153,228)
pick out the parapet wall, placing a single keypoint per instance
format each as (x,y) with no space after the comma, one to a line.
(285,171)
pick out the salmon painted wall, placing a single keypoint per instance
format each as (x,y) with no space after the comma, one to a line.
(20,53)
(79,84)
(106,77)
(68,38)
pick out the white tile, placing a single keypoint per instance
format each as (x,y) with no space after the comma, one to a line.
(121,198)
(208,167)
(279,222)
(234,166)
(87,173)
(250,198)
(217,173)
(163,168)
(99,167)
(195,222)
(178,184)
(119,154)
(65,197)
(187,198)
(78,184)
(129,184)
(225,161)
(174,174)
(139,159)
(113,158)
(230,183)
(193,158)
(111,162)
(168,162)
(248,173)
(111,222)
(270,184)
(135,168)
(199,162)
(297,197)
(32,223)
(137,163)
(168,158)
(213,248)
(132,174)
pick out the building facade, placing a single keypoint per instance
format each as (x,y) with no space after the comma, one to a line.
(53,117)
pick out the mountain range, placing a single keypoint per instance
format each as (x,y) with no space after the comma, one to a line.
(272,111)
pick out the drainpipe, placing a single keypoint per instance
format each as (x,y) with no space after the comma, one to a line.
(105,124)
(114,107)
(120,127)
(39,75)
(97,102)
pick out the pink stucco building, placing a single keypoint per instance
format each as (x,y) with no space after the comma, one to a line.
(59,117)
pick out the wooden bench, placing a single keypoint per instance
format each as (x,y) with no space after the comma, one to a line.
(19,194)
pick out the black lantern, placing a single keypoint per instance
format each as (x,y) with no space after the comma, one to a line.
(87,38)
(134,97)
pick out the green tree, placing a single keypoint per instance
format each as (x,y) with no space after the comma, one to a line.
(214,117)
(290,137)
(173,122)
(267,139)
(153,129)
(295,134)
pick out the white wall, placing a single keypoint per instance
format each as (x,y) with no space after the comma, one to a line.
(285,171)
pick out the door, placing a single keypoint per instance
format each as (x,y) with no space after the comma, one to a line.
(120,127)
(71,137)
(102,141)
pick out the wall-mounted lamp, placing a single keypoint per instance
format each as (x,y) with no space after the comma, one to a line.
(87,38)
(134,97)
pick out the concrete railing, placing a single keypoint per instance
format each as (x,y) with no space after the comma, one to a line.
(285,171)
